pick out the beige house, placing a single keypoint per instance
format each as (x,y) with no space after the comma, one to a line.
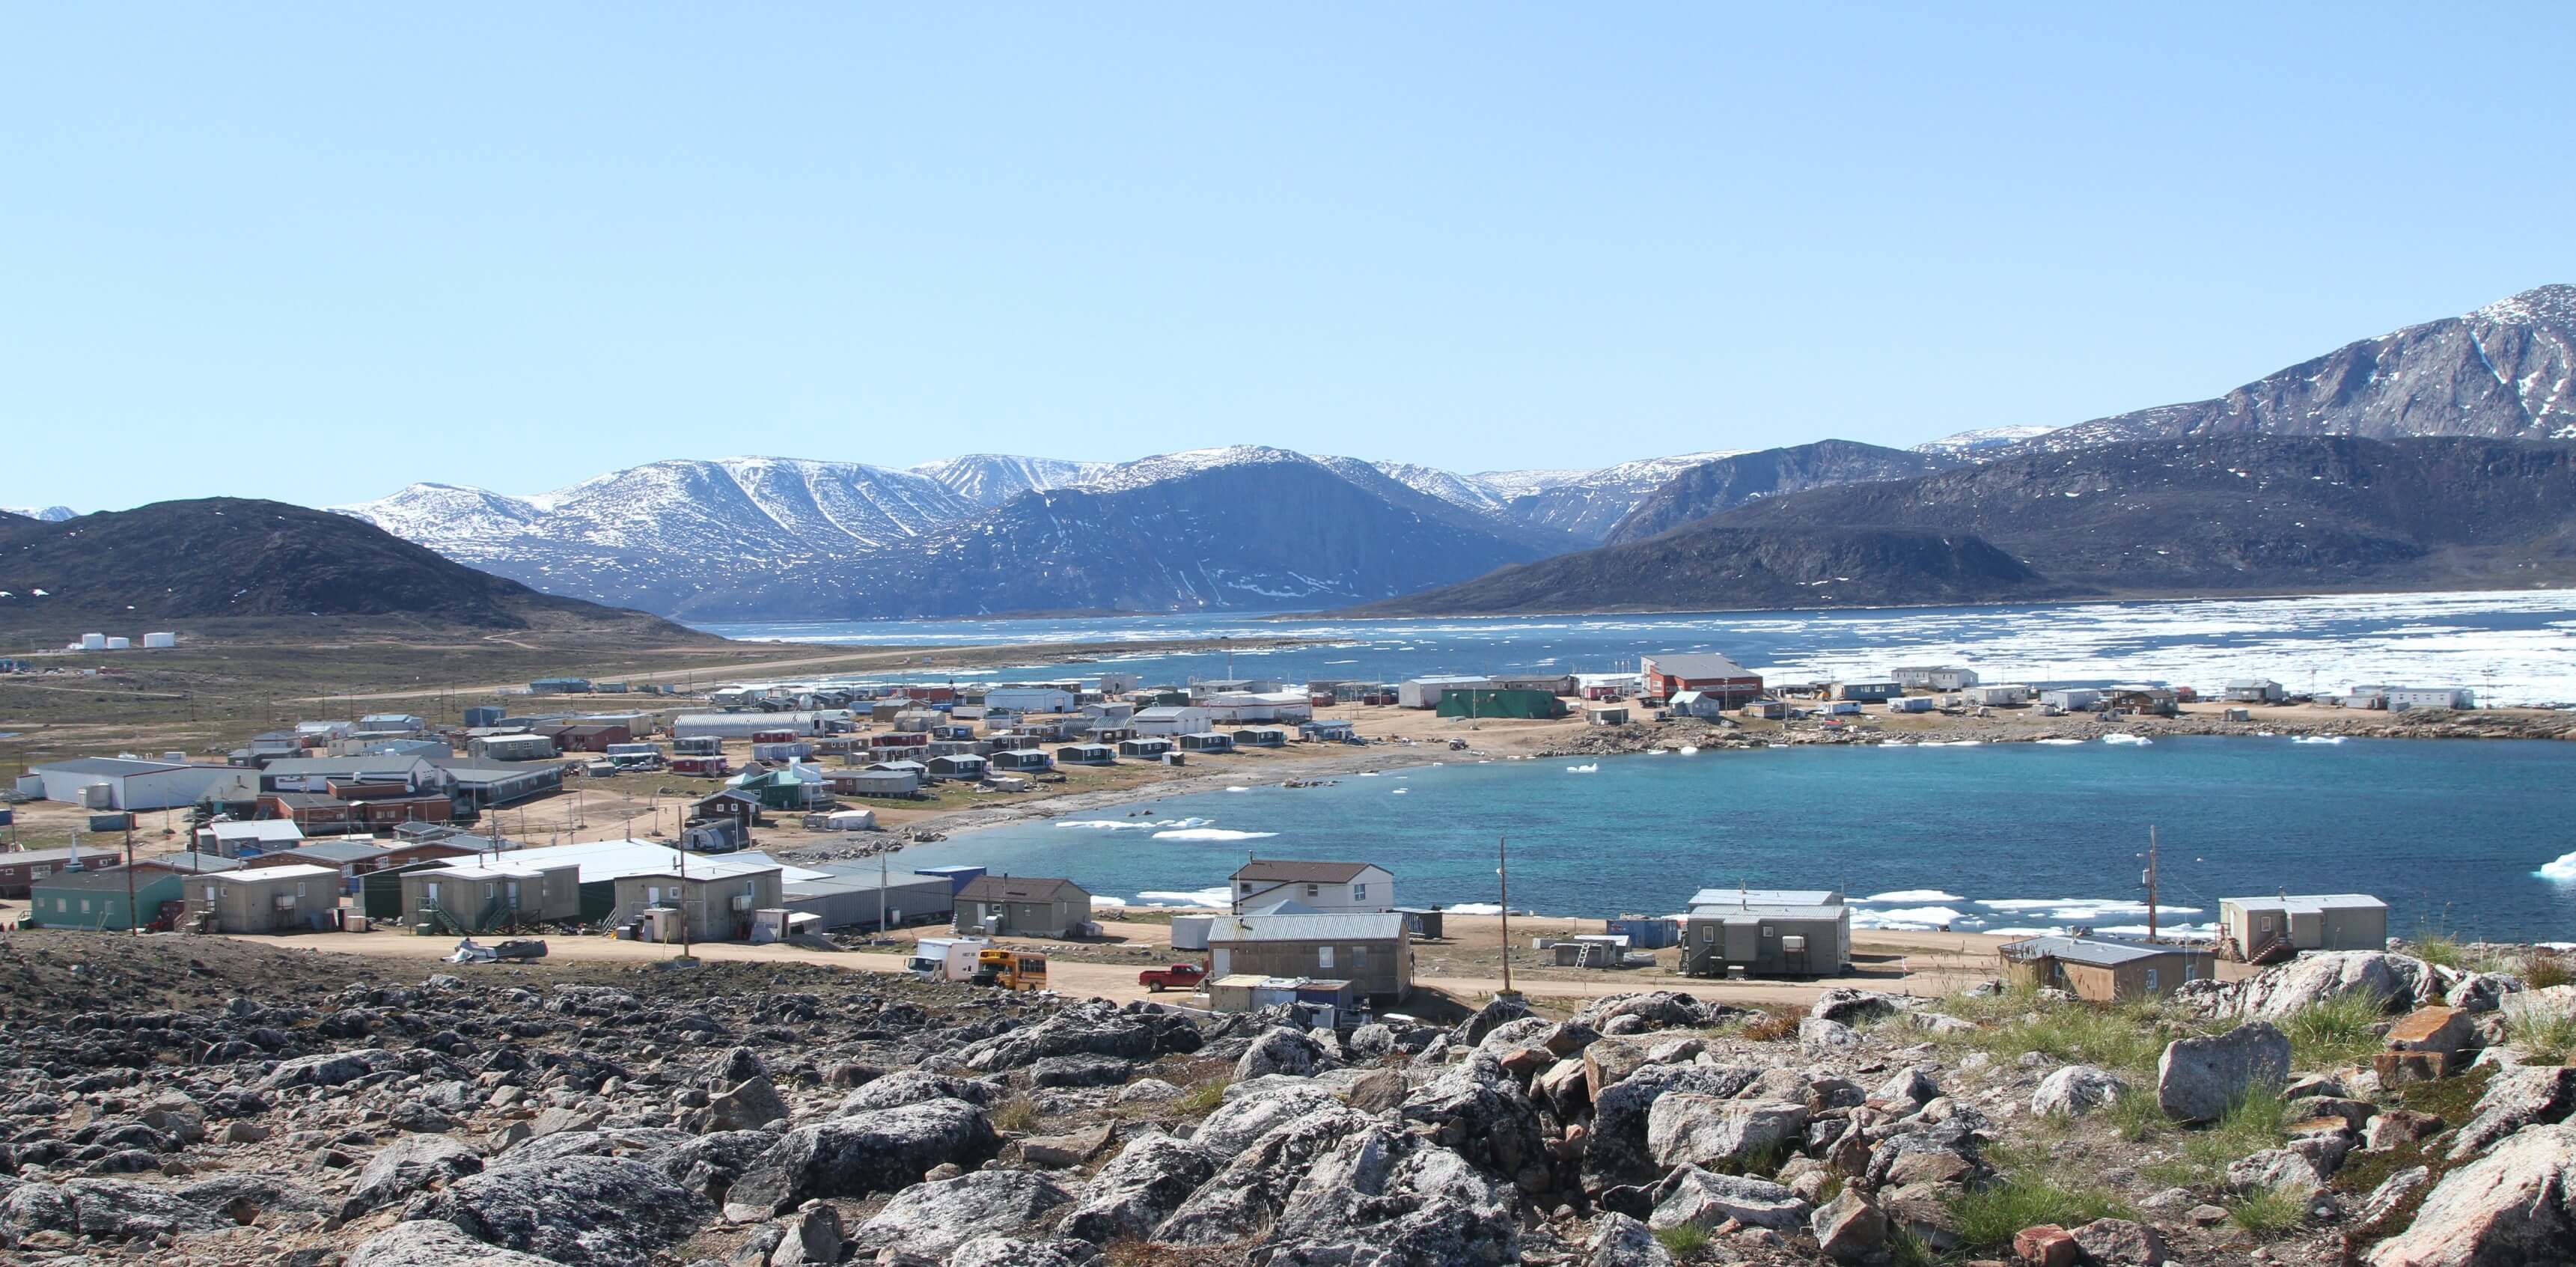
(264,899)
(1022,906)
(1372,952)
(479,898)
(716,903)
(2258,929)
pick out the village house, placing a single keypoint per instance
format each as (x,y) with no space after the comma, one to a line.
(317,774)
(511,748)
(1207,742)
(20,870)
(1022,906)
(259,835)
(351,858)
(1933,677)
(1236,686)
(2072,699)
(2002,695)
(1020,761)
(2145,701)
(1764,710)
(875,782)
(968,766)
(1086,754)
(465,898)
(1029,699)
(1486,701)
(1670,674)
(715,900)
(1867,692)
(1766,933)
(97,900)
(1170,720)
(489,784)
(1373,952)
(588,736)
(388,723)
(1328,731)
(2246,690)
(1334,888)
(1698,704)
(2398,699)
(2261,929)
(2101,970)
(1259,737)
(1426,692)
(1150,747)
(263,900)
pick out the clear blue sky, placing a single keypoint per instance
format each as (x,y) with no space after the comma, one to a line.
(317,253)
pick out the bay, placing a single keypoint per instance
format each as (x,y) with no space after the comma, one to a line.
(2512,647)
(2455,835)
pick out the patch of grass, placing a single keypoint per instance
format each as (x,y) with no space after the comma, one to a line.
(1016,1114)
(1761,1163)
(1683,1240)
(2543,1037)
(1201,1098)
(2453,1099)
(2127,1038)
(2135,1116)
(1773,1026)
(2269,1212)
(1988,1217)
(2253,1124)
(2012,1002)
(1830,1189)
(1905,1249)
(2544,971)
(2334,1032)
(2442,950)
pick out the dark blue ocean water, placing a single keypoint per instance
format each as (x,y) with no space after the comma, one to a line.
(2510,646)
(1989,837)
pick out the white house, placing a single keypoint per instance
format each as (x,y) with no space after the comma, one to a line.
(265,835)
(1425,692)
(1029,699)
(2004,696)
(1171,719)
(1330,888)
(1697,704)
(1933,677)
(1273,706)
(2074,699)
(2401,698)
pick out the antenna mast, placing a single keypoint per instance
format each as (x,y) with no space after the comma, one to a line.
(2151,882)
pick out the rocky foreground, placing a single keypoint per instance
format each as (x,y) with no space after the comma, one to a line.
(273,1107)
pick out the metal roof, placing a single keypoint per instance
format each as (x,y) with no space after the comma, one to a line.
(95,879)
(2093,950)
(2312,903)
(335,851)
(356,766)
(119,766)
(50,856)
(300,871)
(613,859)
(1294,871)
(1729,911)
(190,863)
(256,829)
(1766,897)
(1385,927)
(1012,888)
(1698,664)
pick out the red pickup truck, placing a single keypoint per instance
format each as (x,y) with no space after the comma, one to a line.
(1184,976)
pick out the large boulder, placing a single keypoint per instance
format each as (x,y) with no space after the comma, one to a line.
(2399,982)
(1383,1197)
(1244,1198)
(935,1218)
(2514,1099)
(1852,1007)
(1139,1188)
(1659,1009)
(582,1211)
(2077,1090)
(1848,1228)
(2516,1205)
(1826,1037)
(1616,1151)
(1698,1130)
(1080,1071)
(2198,1079)
(746,1106)
(330,1069)
(1704,1199)
(1618,1240)
(1497,1011)
(429,1243)
(1094,1028)
(1006,1251)
(915,1086)
(884,1150)
(1237,1122)
(104,1209)
(409,1164)
(1477,1110)
(708,1164)
(1280,1050)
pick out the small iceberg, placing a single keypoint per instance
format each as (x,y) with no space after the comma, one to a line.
(2316,739)
(1652,752)
(1688,748)
(2138,741)
(1400,791)
(1594,768)
(2562,869)
(2058,743)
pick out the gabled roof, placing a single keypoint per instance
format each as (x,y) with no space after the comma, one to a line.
(356,767)
(334,852)
(50,856)
(96,880)
(1257,928)
(1295,871)
(1018,888)
(256,829)
(190,863)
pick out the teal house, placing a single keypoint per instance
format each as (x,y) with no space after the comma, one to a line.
(95,899)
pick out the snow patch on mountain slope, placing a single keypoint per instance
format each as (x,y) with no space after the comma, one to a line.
(1170,466)
(1966,443)
(49,514)
(990,479)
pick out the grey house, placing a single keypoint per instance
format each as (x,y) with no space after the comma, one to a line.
(1373,952)
(1022,906)
(1766,933)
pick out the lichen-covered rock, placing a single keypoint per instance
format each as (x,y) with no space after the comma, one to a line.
(1703,1199)
(2077,1090)
(934,1218)
(1245,1196)
(2515,1205)
(1699,1130)
(1388,1198)
(1006,1251)
(429,1243)
(2514,1099)
(1478,1111)
(1095,1028)
(1618,1240)
(1139,1188)
(1827,1037)
(1615,1151)
(2197,1079)
(409,1164)
(584,1211)
(330,1069)
(884,1150)
(1848,1228)
(1238,1122)
(915,1086)
(2398,982)
(1080,1071)
(1280,1050)
(107,1209)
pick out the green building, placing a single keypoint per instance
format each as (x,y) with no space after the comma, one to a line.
(95,899)
(1498,702)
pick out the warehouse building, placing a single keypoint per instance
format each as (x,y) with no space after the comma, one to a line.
(125,783)
(1670,674)
(853,895)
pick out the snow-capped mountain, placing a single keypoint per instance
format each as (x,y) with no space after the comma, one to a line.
(990,479)
(47,514)
(1449,486)
(2502,372)
(1590,503)
(1969,444)
(450,518)
(1510,484)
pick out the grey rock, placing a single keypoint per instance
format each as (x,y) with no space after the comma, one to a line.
(1095,1028)
(429,1243)
(1139,1188)
(2378,1213)
(2120,1243)
(1080,1071)
(1476,1109)
(2515,1205)
(1827,1037)
(1848,1228)
(409,1164)
(1620,1241)
(108,1209)
(709,1164)
(2275,1169)
(1004,1251)
(1698,1130)
(1244,1198)
(914,1086)
(933,1219)
(1616,1151)
(582,1211)
(747,1105)
(1237,1123)
(1909,1086)
(330,1069)
(883,1150)
(1849,1006)
(1703,1199)
(1383,1197)
(2399,982)
(1496,1011)
(2197,1079)
(1659,1009)
(2077,1090)
(2482,991)
(2514,1099)
(1280,1050)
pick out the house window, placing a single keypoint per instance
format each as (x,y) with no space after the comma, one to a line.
(1359,959)
(1324,957)
(1313,889)
(2151,980)
(432,887)
(84,906)
(62,904)
(1359,892)
(39,872)
(1767,932)
(1247,886)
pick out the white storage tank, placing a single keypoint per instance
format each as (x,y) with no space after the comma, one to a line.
(152,640)
(120,644)
(94,642)
(1190,932)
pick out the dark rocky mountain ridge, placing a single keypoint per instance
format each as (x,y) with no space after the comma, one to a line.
(1711,487)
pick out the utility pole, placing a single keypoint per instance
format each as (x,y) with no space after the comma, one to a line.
(881,896)
(2151,882)
(683,852)
(133,918)
(1503,871)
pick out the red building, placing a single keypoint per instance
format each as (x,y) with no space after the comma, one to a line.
(1708,673)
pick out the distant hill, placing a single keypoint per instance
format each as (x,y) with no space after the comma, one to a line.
(1705,489)
(2503,372)
(233,557)
(2216,514)
(990,479)
(1983,440)
(1243,528)
(50,514)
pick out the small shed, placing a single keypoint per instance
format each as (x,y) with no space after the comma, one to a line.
(1607,715)
(2101,969)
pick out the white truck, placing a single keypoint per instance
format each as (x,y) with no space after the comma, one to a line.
(946,958)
